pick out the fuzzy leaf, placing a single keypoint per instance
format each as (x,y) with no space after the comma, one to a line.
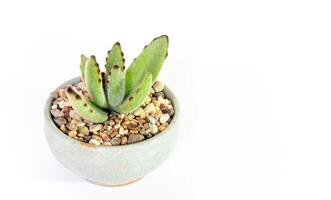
(150,60)
(115,57)
(83,60)
(84,107)
(115,86)
(94,85)
(132,102)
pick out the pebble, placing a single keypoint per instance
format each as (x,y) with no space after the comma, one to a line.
(139,111)
(130,117)
(133,126)
(63,128)
(105,137)
(122,131)
(124,140)
(115,141)
(87,137)
(135,138)
(111,122)
(158,86)
(80,123)
(107,143)
(147,100)
(164,108)
(164,118)
(117,126)
(72,126)
(60,121)
(55,112)
(162,127)
(74,115)
(158,115)
(62,92)
(72,133)
(150,108)
(97,138)
(61,104)
(154,129)
(94,141)
(95,127)
(152,120)
(84,130)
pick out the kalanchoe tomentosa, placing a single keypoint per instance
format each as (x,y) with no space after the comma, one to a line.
(116,89)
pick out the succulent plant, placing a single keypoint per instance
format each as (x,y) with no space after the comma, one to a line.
(116,89)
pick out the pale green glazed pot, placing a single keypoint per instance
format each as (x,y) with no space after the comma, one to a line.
(110,165)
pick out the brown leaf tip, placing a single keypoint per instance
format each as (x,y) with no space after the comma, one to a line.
(162,36)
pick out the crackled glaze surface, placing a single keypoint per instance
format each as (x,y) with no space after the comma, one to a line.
(110,165)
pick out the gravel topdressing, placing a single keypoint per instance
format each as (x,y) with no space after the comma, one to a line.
(153,117)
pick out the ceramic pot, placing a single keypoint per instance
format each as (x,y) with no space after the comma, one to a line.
(110,165)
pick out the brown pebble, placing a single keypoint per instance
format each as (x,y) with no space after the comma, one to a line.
(135,138)
(97,138)
(133,126)
(162,127)
(87,137)
(105,137)
(115,141)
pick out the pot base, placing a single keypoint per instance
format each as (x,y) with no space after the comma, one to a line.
(114,185)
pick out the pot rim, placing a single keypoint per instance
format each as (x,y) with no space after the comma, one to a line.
(49,120)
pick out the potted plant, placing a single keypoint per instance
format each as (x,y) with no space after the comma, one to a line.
(114,127)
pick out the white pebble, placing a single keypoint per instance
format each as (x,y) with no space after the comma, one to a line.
(121,131)
(158,86)
(61,104)
(117,126)
(154,129)
(147,100)
(95,128)
(111,122)
(152,120)
(164,118)
(138,111)
(94,141)
(150,108)
(55,113)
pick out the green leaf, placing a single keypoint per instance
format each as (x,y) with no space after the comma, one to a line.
(115,86)
(84,107)
(149,60)
(94,85)
(115,57)
(133,102)
(83,60)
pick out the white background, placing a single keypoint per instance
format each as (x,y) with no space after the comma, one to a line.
(252,78)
